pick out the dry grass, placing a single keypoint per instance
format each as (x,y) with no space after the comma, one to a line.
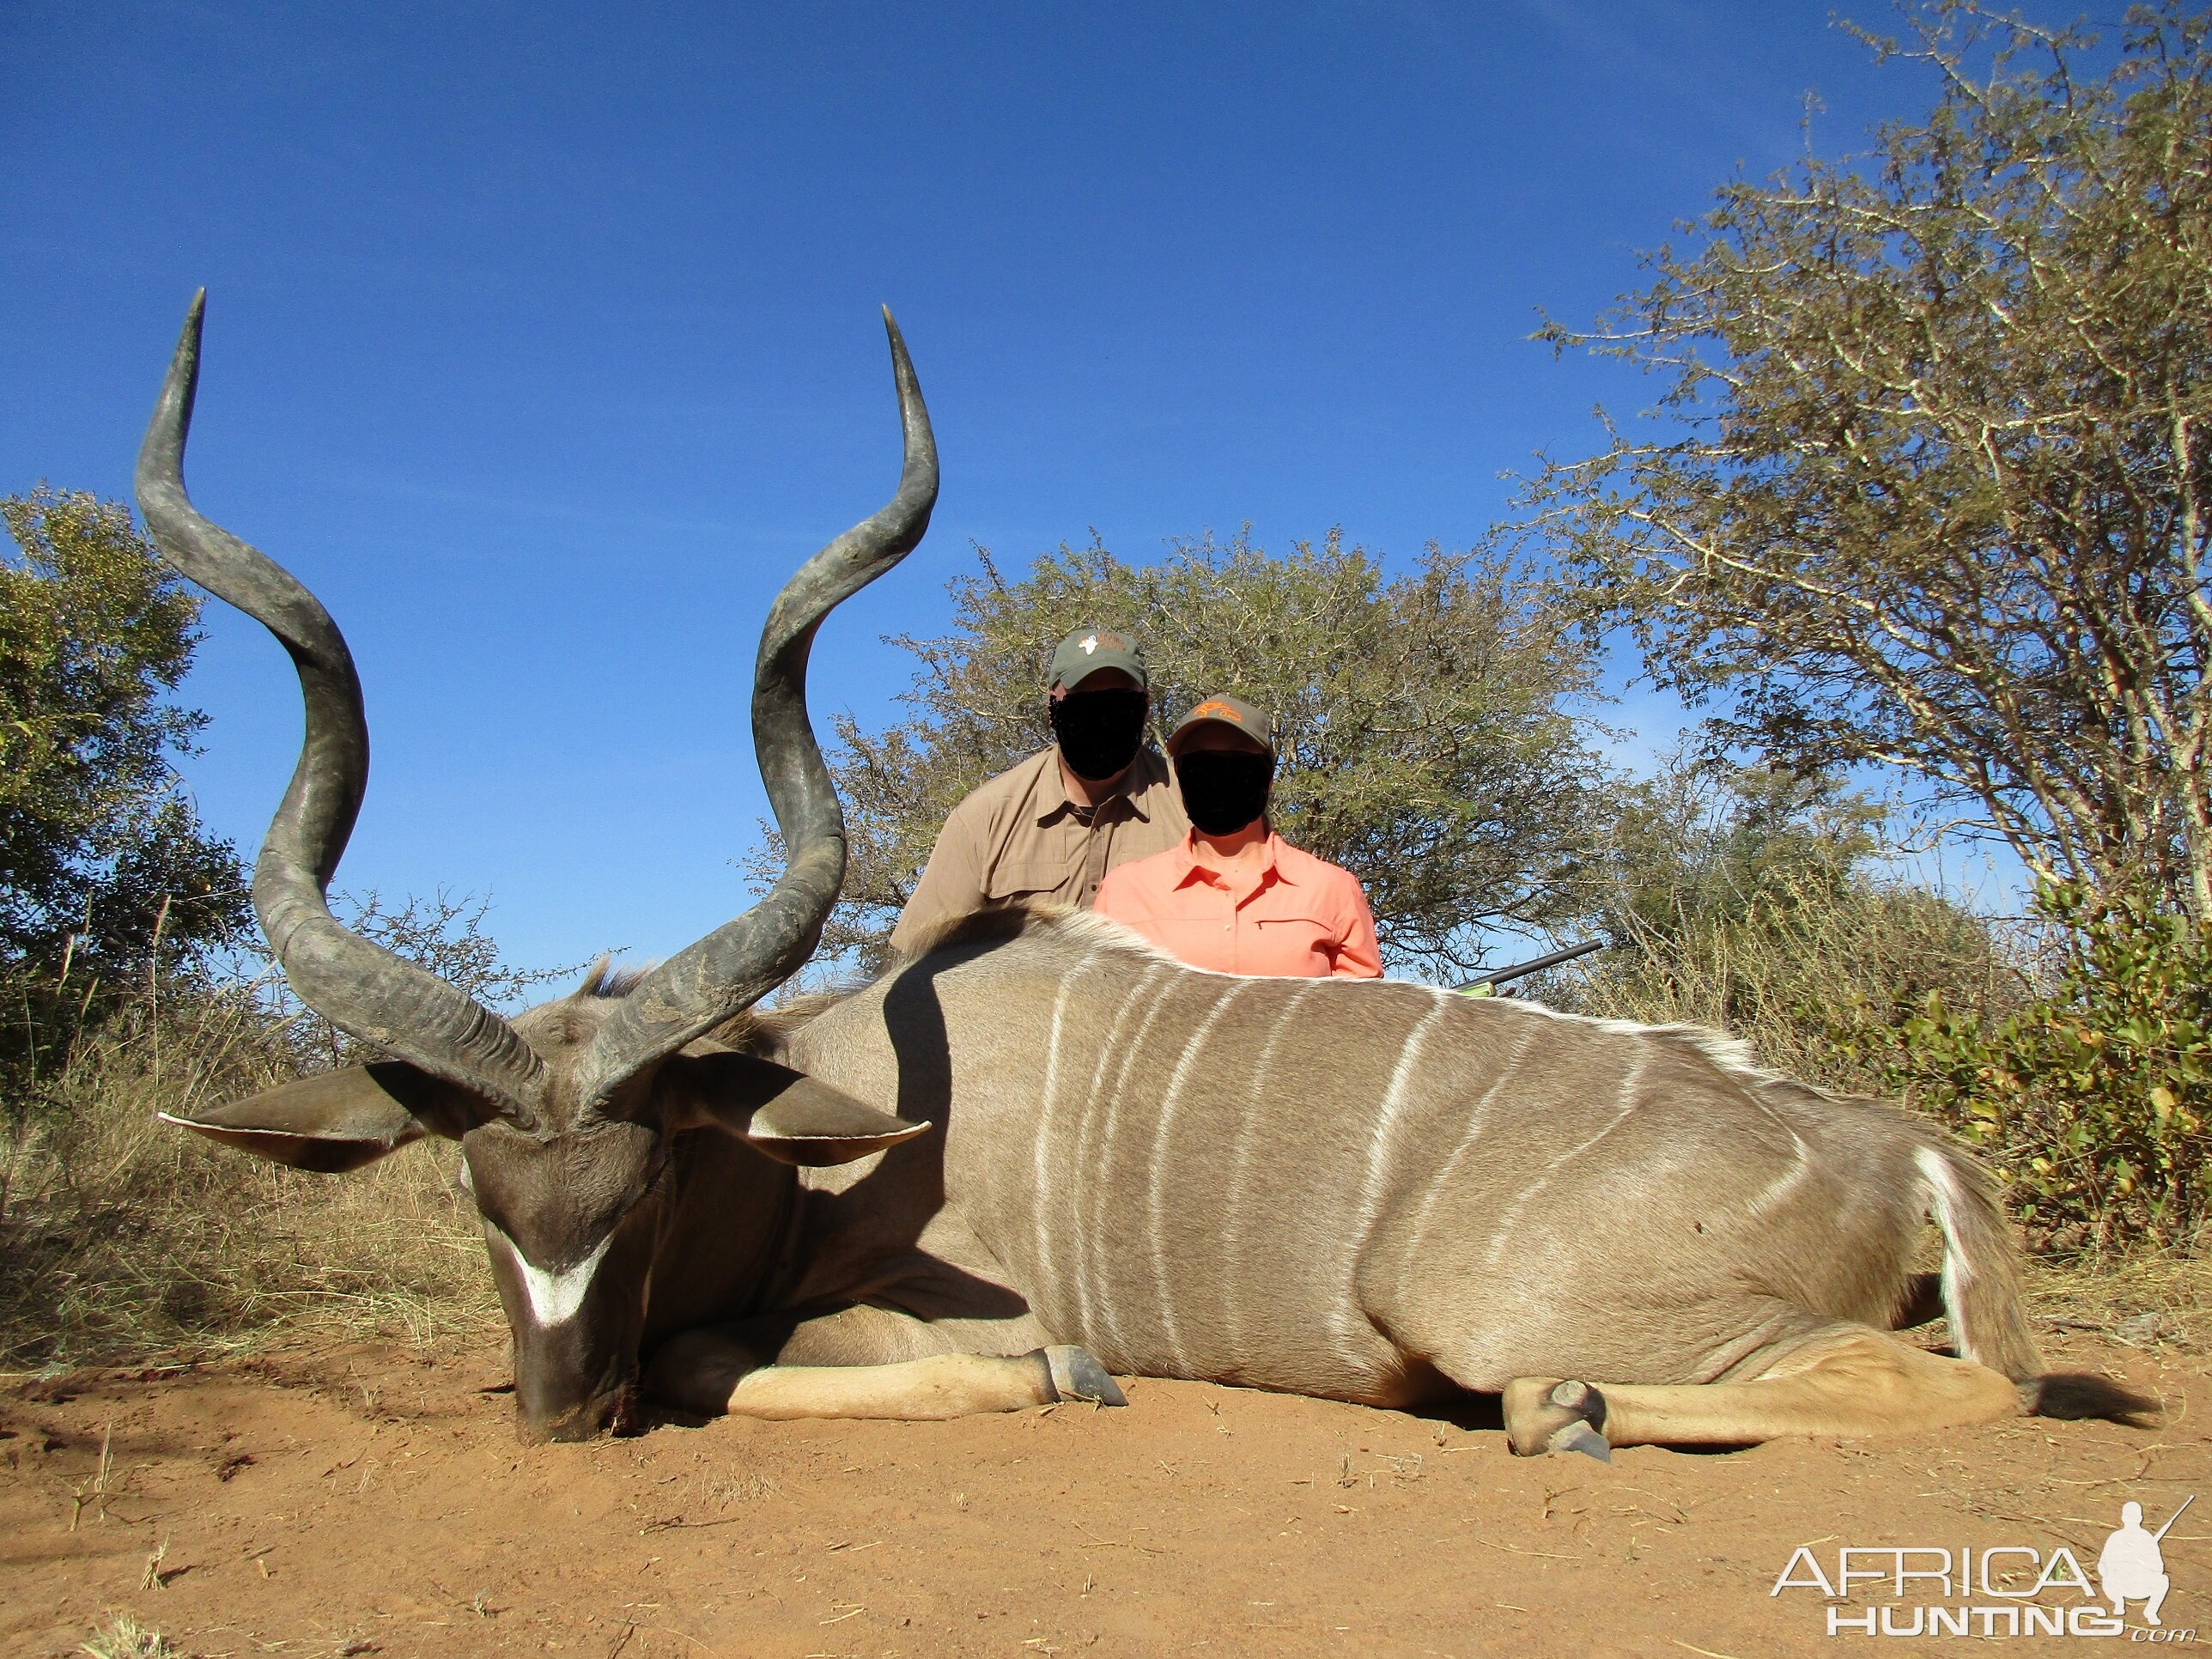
(124,1638)
(2142,1300)
(124,1239)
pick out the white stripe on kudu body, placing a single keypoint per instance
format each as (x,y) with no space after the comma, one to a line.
(1350,1322)
(1106,1224)
(1154,1220)
(1627,1104)
(1386,1120)
(1075,1266)
(1782,1186)
(1477,1120)
(1041,1167)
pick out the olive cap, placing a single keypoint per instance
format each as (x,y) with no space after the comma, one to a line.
(1254,721)
(1087,650)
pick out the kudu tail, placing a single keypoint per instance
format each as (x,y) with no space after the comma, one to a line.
(1981,1293)
(1981,1276)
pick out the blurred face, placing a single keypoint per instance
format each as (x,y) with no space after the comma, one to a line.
(1098,723)
(1225,775)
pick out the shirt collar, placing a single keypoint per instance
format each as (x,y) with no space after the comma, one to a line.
(1188,869)
(1054,801)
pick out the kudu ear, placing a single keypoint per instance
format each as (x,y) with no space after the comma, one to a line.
(332,1121)
(785,1113)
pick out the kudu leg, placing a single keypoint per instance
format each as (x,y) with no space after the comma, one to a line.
(1852,1381)
(943,1385)
(736,1370)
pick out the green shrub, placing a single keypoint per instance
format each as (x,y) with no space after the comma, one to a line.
(2090,1100)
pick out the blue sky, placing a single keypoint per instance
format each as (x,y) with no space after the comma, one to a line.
(541,340)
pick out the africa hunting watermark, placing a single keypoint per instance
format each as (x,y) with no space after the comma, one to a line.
(2006,1590)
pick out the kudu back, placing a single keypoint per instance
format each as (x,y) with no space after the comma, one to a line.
(1375,1192)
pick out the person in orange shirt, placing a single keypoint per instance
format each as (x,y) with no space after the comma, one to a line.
(1233,896)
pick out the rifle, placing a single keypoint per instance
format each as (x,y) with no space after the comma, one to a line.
(1475,988)
(2170,1519)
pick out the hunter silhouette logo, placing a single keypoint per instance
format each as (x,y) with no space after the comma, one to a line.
(2131,1567)
(2006,1590)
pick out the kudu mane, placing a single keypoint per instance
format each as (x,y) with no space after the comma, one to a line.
(604,981)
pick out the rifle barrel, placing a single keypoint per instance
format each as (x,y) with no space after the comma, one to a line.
(2170,1519)
(1522,970)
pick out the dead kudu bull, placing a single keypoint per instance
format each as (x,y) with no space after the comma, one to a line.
(1379,1193)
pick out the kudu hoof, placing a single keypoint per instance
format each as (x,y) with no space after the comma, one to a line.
(1555,1416)
(1077,1376)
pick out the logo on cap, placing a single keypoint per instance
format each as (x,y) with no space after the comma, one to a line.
(1089,642)
(1217,711)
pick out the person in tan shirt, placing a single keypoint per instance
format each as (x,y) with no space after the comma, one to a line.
(1050,828)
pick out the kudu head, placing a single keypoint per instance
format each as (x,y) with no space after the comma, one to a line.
(565,1114)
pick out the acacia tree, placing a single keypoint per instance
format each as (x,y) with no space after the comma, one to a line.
(1931,486)
(1432,733)
(102,861)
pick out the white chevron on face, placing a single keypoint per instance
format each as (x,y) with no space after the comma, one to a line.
(554,1297)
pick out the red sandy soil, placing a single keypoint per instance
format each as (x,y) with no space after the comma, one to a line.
(374,1499)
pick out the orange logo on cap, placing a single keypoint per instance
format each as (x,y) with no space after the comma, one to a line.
(1217,711)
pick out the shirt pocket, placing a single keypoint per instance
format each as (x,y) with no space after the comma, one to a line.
(1017,878)
(1285,939)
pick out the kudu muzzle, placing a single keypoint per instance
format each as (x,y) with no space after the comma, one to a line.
(578,1378)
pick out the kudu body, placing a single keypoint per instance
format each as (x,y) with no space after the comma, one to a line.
(1387,1193)
(1375,1192)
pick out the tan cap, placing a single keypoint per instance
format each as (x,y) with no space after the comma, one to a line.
(1250,719)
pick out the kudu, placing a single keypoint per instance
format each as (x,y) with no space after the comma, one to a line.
(1382,1192)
